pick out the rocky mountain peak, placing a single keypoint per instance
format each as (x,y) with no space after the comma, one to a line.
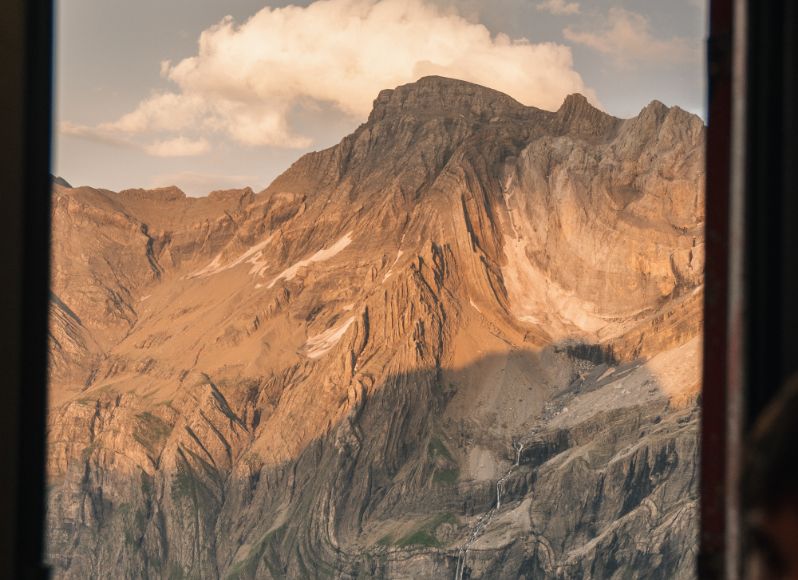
(467,316)
(230,194)
(657,107)
(576,102)
(170,193)
(577,115)
(60,181)
(441,96)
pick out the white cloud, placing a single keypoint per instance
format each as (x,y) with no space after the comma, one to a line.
(559,7)
(95,134)
(627,39)
(178,147)
(163,112)
(108,135)
(247,78)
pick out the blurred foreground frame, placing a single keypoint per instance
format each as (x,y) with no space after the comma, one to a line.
(751,270)
(26,46)
(750,346)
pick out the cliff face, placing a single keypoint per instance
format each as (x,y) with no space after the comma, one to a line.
(463,342)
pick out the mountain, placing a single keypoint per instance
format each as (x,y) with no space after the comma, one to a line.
(59,181)
(464,342)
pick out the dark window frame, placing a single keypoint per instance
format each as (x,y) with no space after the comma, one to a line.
(26,45)
(751,311)
(751,276)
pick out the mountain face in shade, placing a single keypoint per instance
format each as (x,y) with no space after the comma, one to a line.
(462,343)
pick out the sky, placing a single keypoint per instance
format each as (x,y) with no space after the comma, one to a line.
(212,95)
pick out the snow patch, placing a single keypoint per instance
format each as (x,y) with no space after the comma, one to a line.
(474,306)
(259,265)
(211,268)
(252,255)
(319,345)
(390,270)
(320,256)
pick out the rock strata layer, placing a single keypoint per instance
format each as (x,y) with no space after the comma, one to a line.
(464,342)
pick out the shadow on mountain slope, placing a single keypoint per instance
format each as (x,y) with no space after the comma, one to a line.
(605,484)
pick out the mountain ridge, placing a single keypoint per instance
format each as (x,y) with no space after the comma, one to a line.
(331,377)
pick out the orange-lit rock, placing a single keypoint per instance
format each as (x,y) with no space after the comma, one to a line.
(329,376)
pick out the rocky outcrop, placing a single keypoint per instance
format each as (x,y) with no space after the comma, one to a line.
(328,378)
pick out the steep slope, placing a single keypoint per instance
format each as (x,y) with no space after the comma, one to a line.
(329,378)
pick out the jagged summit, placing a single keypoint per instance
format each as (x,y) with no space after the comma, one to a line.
(414,129)
(657,111)
(442,97)
(467,318)
(60,181)
(435,98)
(576,114)
(656,105)
(436,95)
(577,104)
(169,193)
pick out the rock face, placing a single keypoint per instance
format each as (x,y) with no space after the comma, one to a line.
(462,343)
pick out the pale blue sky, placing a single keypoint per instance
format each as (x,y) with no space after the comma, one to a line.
(245,121)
